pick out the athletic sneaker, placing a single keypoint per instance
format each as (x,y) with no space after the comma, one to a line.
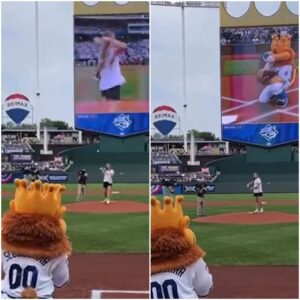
(107,201)
(104,201)
(256,211)
(261,211)
(282,99)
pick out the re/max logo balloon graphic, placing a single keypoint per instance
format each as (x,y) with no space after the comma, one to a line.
(17,107)
(164,119)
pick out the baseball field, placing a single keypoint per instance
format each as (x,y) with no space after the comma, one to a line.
(249,255)
(110,242)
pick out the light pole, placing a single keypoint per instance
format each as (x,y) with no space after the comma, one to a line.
(183,5)
(184,100)
(37,65)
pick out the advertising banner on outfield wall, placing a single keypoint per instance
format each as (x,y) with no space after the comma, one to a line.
(186,188)
(259,73)
(190,188)
(168,169)
(111,67)
(53,177)
(157,189)
(21,157)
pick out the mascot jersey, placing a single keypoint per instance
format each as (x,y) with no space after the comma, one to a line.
(41,274)
(35,248)
(188,282)
(177,266)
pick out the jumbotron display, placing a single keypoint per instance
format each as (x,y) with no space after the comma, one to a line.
(259,78)
(111,65)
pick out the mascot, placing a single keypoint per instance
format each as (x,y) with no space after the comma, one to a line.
(279,72)
(35,247)
(177,266)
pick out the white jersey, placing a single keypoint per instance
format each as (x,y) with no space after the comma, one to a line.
(257,185)
(108,174)
(189,282)
(43,275)
(111,75)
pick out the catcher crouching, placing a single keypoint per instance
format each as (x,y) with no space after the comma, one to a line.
(35,247)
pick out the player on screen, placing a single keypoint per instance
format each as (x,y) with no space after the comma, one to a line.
(256,186)
(108,69)
(201,190)
(108,174)
(178,270)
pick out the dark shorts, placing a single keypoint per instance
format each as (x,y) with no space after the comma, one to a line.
(112,93)
(106,184)
(258,194)
(200,195)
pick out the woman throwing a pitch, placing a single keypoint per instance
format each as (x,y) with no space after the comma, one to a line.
(256,186)
(108,69)
(108,173)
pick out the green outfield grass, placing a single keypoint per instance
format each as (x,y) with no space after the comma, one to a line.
(226,244)
(103,233)
(136,87)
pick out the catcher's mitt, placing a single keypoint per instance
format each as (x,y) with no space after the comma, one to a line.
(264,76)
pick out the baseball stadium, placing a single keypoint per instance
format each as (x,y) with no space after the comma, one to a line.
(250,253)
(240,245)
(106,215)
(109,241)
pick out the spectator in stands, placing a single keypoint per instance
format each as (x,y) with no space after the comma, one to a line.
(254,35)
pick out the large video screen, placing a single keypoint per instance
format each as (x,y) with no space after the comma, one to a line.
(259,84)
(111,65)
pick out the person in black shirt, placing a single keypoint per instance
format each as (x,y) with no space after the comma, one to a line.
(168,187)
(201,190)
(82,180)
(27,174)
(35,174)
(31,173)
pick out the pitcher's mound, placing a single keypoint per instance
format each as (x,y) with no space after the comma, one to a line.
(113,207)
(248,218)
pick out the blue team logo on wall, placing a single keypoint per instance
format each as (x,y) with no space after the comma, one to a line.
(17,107)
(164,119)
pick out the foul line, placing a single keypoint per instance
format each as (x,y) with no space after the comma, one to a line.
(245,103)
(291,113)
(241,106)
(284,111)
(234,100)
(97,294)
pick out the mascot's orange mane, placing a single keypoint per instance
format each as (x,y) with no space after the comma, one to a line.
(173,244)
(34,225)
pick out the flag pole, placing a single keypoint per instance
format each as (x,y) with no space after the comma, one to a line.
(37,62)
